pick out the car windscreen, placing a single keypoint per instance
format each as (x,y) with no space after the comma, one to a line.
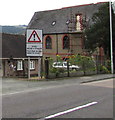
(55,64)
(65,64)
(60,64)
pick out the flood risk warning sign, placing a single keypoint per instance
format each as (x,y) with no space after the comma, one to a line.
(34,43)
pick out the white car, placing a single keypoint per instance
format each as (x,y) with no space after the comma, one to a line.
(64,65)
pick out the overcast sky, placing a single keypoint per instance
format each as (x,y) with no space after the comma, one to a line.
(20,12)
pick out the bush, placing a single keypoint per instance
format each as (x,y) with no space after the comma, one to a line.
(53,70)
(104,69)
(86,63)
(108,65)
(61,70)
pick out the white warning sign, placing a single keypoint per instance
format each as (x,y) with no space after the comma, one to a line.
(34,36)
(34,43)
(34,50)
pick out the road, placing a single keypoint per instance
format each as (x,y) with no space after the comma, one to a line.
(87,100)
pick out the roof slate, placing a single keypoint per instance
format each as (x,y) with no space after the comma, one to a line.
(13,45)
(43,19)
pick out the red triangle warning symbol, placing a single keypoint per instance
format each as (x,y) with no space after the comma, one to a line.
(34,37)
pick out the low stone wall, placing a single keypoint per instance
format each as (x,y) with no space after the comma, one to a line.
(76,74)
(71,74)
(90,72)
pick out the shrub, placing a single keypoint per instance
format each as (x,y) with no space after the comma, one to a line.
(104,69)
(108,65)
(53,70)
(85,62)
(61,70)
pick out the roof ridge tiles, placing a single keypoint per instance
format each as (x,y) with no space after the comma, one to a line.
(73,6)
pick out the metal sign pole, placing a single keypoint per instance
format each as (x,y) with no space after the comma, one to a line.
(28,67)
(39,67)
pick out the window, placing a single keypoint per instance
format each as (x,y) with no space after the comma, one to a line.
(78,22)
(19,65)
(32,65)
(48,42)
(67,22)
(53,23)
(66,42)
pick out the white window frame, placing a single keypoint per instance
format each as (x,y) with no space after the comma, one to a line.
(32,64)
(19,65)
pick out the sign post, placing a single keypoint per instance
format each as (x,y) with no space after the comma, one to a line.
(28,67)
(39,66)
(34,47)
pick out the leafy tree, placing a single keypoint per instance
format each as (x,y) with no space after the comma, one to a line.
(86,63)
(98,34)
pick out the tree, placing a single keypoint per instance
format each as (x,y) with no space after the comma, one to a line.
(98,34)
(86,63)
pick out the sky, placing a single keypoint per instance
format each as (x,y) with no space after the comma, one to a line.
(20,12)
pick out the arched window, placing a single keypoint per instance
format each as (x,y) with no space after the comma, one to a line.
(48,42)
(66,42)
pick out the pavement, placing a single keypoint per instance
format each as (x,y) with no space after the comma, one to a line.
(17,85)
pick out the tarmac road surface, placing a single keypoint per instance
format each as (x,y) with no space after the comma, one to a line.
(87,100)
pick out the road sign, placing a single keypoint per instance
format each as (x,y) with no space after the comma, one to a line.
(34,50)
(34,43)
(34,37)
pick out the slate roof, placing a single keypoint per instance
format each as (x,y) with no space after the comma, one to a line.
(13,45)
(44,19)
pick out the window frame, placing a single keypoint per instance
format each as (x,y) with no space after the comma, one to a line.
(63,41)
(19,65)
(32,65)
(48,44)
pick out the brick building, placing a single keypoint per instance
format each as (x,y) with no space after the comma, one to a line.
(14,62)
(63,29)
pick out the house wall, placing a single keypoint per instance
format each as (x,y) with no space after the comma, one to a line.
(10,68)
(76,45)
(50,52)
(35,71)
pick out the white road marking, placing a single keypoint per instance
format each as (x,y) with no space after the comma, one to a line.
(71,110)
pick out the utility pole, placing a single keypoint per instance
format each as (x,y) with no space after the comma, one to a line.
(111,41)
